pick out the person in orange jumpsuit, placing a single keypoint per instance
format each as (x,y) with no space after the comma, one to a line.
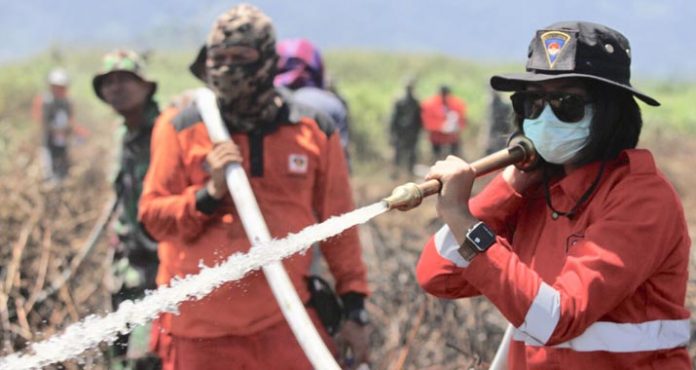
(444,117)
(587,256)
(294,161)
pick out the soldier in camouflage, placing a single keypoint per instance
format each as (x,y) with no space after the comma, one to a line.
(122,84)
(499,123)
(404,129)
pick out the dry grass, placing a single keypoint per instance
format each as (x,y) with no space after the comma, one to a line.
(42,227)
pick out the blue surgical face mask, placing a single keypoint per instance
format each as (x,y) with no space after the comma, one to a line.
(556,141)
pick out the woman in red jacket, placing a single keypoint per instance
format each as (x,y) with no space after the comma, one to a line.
(587,256)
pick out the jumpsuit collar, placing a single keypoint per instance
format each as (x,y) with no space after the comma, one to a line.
(575,184)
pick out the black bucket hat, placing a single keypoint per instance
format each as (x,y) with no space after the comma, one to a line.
(575,49)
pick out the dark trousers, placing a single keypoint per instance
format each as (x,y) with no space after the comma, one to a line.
(441,151)
(59,161)
(405,156)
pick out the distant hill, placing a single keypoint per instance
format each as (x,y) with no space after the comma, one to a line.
(491,30)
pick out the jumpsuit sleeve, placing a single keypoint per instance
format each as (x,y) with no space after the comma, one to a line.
(627,245)
(439,268)
(167,206)
(497,205)
(462,109)
(333,197)
(37,109)
(429,116)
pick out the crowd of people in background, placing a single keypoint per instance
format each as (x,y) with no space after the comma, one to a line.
(289,130)
(443,117)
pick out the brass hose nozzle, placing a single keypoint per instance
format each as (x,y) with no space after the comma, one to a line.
(520,152)
(410,195)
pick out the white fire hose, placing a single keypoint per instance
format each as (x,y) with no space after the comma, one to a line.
(500,360)
(257,231)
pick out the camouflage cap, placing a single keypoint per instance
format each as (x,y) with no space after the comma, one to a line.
(242,25)
(121,61)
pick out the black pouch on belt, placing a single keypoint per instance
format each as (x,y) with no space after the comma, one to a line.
(325,302)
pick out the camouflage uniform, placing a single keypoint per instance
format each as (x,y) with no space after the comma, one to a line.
(135,244)
(135,259)
(405,126)
(499,125)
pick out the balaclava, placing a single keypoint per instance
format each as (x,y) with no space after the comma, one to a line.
(245,92)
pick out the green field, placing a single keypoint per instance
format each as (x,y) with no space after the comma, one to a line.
(370,81)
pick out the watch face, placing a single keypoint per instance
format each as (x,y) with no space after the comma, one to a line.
(481,236)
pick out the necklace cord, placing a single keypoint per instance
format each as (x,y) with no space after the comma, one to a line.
(585,196)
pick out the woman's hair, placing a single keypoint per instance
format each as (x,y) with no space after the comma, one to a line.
(616,124)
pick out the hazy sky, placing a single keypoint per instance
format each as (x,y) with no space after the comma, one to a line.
(660,31)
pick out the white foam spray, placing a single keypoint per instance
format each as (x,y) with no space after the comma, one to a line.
(94,329)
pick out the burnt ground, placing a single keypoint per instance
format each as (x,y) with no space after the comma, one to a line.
(43,228)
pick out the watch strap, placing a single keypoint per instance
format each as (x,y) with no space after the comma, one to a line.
(478,239)
(206,203)
(467,251)
(359,316)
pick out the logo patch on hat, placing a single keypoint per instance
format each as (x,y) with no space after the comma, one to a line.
(554,42)
(298,163)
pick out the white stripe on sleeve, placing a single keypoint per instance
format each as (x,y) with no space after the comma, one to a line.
(622,338)
(542,316)
(447,247)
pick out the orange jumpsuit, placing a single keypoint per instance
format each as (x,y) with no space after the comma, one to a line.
(434,114)
(604,290)
(297,171)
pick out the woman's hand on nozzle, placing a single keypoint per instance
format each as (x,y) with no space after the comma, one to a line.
(457,179)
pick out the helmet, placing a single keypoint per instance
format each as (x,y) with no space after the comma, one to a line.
(58,77)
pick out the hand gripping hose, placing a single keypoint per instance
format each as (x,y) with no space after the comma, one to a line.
(257,231)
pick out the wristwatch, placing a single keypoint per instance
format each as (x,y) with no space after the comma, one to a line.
(359,316)
(478,239)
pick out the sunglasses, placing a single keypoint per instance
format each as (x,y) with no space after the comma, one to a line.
(567,107)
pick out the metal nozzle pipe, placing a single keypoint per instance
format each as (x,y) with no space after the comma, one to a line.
(520,152)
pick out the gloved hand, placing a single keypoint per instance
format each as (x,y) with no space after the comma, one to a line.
(354,344)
